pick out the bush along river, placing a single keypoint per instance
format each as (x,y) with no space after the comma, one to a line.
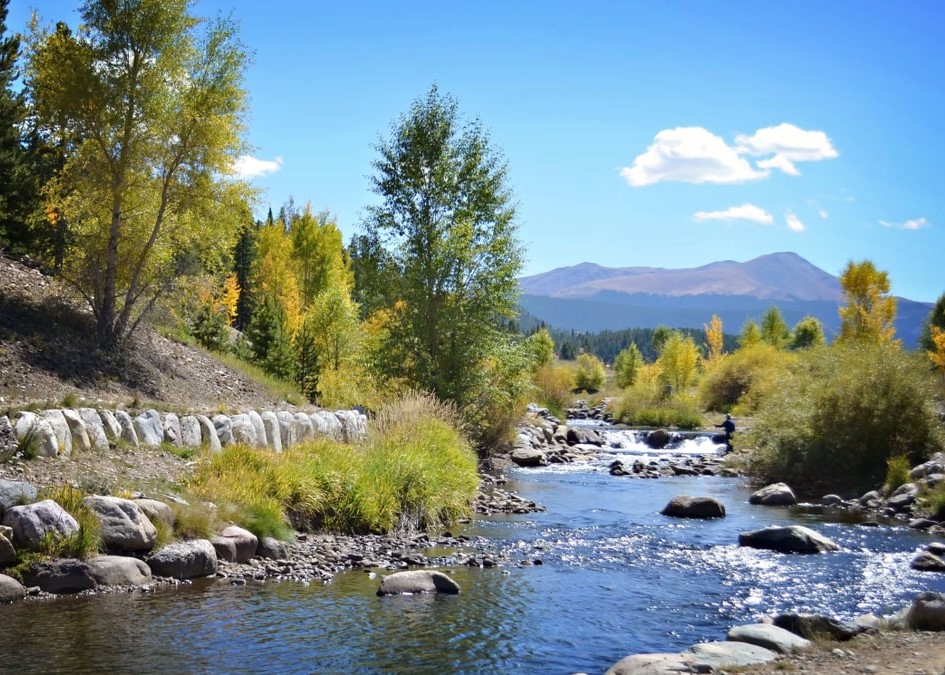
(598,575)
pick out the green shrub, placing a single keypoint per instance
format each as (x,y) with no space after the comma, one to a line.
(897,473)
(676,412)
(554,386)
(590,373)
(744,378)
(842,413)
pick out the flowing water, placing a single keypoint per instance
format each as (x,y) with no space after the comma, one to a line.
(615,578)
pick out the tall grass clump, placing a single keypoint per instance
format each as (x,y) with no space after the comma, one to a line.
(416,471)
(841,414)
(897,473)
(81,544)
(418,468)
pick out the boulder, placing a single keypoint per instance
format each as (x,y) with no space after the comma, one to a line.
(652,664)
(234,544)
(790,539)
(15,493)
(190,435)
(184,560)
(78,430)
(935,464)
(831,500)
(658,439)
(528,457)
(60,576)
(272,548)
(31,523)
(927,612)
(116,570)
(417,581)
(224,429)
(818,627)
(124,525)
(149,428)
(353,425)
(156,511)
(768,636)
(776,494)
(333,425)
(305,429)
(901,502)
(110,425)
(173,433)
(47,443)
(728,655)
(7,550)
(871,499)
(927,561)
(241,426)
(128,432)
(273,430)
(11,590)
(287,429)
(94,427)
(262,440)
(685,506)
(208,434)
(57,422)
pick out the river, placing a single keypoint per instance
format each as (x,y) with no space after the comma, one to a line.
(615,577)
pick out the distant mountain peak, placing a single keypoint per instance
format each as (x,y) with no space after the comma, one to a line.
(773,276)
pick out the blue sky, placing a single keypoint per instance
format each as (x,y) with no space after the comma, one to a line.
(667,134)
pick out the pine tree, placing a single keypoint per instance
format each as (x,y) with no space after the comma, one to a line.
(17,190)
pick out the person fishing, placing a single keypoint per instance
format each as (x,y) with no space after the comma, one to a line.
(729,426)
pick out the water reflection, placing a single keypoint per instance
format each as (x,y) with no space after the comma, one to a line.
(617,578)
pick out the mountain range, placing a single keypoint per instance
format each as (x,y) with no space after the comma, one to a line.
(589,298)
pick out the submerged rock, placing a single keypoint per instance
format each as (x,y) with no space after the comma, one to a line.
(417,581)
(791,539)
(685,506)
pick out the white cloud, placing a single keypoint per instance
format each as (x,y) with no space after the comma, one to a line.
(696,155)
(794,223)
(912,224)
(743,212)
(787,144)
(248,166)
(689,155)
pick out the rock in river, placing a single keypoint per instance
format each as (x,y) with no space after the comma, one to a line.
(417,581)
(684,506)
(791,539)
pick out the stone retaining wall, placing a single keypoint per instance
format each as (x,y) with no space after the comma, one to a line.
(57,431)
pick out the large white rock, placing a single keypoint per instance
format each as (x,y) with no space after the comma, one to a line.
(262,440)
(172,430)
(77,430)
(46,439)
(150,428)
(287,429)
(156,510)
(128,432)
(727,655)
(273,430)
(224,427)
(60,427)
(110,424)
(354,424)
(305,428)
(124,525)
(32,522)
(651,664)
(95,428)
(243,430)
(190,431)
(208,434)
